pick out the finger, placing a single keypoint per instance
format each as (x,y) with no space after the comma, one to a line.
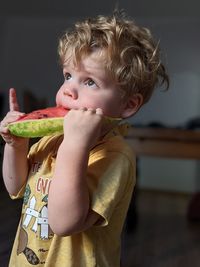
(13,103)
(83,109)
(3,129)
(92,110)
(99,111)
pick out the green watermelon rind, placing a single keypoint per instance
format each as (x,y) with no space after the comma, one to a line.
(44,127)
(37,128)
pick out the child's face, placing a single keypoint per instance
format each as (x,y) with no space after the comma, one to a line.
(89,85)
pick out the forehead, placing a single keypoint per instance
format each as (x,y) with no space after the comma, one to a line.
(77,56)
(93,60)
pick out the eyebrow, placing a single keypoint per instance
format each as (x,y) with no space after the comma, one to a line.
(65,65)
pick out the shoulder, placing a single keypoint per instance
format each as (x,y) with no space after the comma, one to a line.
(114,149)
(46,144)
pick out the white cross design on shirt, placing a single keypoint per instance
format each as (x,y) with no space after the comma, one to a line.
(41,218)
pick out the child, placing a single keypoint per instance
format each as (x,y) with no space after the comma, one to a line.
(77,186)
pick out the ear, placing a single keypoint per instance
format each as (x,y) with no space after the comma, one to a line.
(132,105)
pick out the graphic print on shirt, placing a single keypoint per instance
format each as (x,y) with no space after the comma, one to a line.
(30,255)
(36,214)
(35,218)
(39,219)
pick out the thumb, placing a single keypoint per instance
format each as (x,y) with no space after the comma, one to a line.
(13,103)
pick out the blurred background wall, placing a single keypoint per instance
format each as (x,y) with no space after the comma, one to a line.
(29,32)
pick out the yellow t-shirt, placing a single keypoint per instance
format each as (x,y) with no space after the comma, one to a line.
(111,178)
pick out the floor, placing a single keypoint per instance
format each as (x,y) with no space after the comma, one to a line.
(162,237)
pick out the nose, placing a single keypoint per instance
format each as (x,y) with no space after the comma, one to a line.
(71,92)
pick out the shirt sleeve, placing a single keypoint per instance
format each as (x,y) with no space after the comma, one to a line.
(20,194)
(110,175)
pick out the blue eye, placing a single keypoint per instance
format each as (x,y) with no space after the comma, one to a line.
(90,82)
(67,76)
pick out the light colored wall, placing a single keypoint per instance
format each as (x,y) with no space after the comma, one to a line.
(168,174)
(180,43)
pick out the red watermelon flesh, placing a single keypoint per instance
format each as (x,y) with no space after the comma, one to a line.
(51,112)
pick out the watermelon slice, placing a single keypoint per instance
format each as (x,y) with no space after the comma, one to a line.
(44,122)
(39,123)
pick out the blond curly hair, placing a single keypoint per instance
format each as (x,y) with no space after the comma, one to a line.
(132,56)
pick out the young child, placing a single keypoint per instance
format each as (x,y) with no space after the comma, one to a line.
(77,186)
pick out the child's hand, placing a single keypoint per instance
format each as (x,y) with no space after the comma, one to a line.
(83,127)
(11,116)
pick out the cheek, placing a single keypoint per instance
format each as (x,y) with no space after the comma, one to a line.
(114,107)
(110,107)
(58,98)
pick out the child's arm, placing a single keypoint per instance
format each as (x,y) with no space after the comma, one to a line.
(69,204)
(15,166)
